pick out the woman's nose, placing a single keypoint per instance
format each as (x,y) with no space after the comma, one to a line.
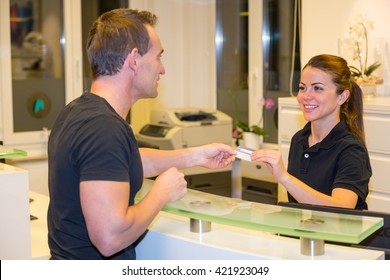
(307,94)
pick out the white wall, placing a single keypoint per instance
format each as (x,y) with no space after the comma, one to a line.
(325,21)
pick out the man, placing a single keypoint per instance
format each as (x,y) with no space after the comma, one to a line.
(95,165)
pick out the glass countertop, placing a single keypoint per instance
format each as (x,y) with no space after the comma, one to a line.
(271,218)
(6,152)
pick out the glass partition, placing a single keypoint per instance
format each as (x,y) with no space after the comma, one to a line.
(7,152)
(271,218)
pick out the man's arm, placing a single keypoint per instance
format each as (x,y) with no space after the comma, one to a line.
(112,224)
(211,156)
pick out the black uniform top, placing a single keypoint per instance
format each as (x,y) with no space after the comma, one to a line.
(89,141)
(340,160)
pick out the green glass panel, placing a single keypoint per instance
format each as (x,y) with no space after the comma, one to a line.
(6,152)
(271,218)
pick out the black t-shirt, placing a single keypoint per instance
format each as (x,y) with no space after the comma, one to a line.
(340,160)
(89,141)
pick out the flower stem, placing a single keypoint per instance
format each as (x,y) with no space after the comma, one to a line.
(359,57)
(366,41)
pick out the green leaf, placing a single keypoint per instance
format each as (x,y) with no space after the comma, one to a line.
(258,130)
(372,68)
(254,128)
(243,125)
(355,72)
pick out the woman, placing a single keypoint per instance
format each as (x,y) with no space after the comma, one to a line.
(328,162)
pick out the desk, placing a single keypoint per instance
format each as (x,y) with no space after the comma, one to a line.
(237,223)
(169,238)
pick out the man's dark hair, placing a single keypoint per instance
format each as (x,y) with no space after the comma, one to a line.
(114,35)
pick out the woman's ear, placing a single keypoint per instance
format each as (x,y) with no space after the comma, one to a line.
(344,97)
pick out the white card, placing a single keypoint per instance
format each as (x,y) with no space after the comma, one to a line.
(244,153)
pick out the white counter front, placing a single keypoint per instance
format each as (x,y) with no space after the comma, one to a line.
(169,238)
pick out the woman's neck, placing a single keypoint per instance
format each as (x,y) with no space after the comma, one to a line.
(319,130)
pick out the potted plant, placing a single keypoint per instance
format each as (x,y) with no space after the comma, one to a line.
(363,73)
(252,134)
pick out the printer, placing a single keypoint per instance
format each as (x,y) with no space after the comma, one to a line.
(187,127)
(190,127)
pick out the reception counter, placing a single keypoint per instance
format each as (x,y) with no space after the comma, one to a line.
(170,236)
(248,230)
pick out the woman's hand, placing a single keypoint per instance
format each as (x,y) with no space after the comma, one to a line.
(273,160)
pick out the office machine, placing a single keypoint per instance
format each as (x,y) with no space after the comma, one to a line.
(188,127)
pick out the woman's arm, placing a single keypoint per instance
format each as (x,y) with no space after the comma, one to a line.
(302,192)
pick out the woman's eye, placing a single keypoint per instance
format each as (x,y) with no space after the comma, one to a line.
(302,88)
(317,88)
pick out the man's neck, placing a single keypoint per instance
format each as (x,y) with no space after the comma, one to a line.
(114,92)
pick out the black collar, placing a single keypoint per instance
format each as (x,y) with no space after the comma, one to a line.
(339,131)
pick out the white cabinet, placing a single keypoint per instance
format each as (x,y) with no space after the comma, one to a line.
(257,183)
(377,131)
(15,242)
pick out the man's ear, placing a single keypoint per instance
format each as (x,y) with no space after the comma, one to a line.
(132,59)
(344,97)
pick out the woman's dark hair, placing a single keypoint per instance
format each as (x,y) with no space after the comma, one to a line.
(114,35)
(352,109)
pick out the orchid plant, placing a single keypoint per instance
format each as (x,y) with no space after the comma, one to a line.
(241,126)
(358,33)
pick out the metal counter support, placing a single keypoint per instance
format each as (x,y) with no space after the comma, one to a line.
(312,247)
(199,226)
(236,179)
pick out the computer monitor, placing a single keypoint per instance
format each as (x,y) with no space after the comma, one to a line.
(380,240)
